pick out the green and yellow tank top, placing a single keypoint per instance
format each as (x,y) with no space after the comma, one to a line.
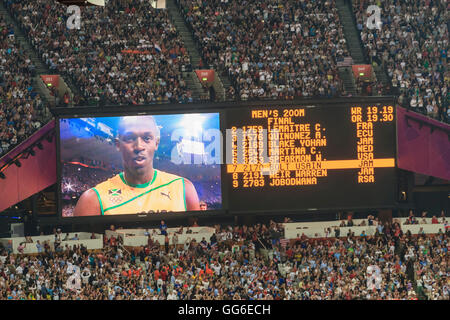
(165,193)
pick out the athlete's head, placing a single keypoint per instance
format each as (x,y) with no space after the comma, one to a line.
(138,139)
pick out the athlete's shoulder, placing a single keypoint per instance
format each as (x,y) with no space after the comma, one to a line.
(165,176)
(113,181)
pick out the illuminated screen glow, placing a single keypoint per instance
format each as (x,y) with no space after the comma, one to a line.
(315,157)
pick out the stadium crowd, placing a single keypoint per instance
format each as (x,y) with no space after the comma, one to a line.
(236,263)
(22,111)
(270,49)
(124,53)
(412,46)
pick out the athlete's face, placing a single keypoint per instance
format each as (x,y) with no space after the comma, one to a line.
(137,142)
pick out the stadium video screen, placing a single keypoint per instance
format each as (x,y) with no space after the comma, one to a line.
(265,158)
(140,164)
(311,157)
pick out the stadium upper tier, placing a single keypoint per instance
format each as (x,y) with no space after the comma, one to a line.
(122,53)
(271,49)
(412,47)
(22,111)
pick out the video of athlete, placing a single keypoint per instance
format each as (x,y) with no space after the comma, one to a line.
(143,164)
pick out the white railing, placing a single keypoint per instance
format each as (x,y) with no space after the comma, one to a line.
(317,229)
(137,237)
(84,239)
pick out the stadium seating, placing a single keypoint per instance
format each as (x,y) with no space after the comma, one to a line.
(271,49)
(122,54)
(22,111)
(412,46)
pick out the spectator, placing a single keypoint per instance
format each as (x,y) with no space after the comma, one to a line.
(380,228)
(350,222)
(337,232)
(75,237)
(21,247)
(85,275)
(166,243)
(370,219)
(163,228)
(58,240)
(175,240)
(213,239)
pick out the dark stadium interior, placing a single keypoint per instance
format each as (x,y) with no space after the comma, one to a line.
(373,74)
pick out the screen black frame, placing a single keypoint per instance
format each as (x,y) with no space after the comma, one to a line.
(206,107)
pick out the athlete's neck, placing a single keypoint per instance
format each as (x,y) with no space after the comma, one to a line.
(137,179)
